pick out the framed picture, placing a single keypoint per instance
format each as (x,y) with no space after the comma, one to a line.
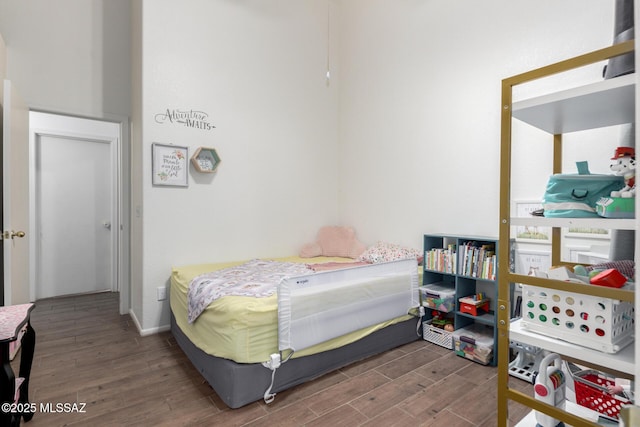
(528,261)
(205,160)
(530,233)
(587,233)
(170,165)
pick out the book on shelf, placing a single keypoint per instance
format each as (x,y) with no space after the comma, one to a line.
(441,259)
(478,260)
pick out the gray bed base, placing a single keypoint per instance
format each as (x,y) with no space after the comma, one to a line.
(239,384)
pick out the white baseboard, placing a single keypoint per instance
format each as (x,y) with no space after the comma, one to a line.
(148,331)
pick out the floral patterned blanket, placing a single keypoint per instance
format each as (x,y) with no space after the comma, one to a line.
(255,278)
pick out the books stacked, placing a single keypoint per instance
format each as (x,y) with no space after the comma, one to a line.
(478,260)
(441,259)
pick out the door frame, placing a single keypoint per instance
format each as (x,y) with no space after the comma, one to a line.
(120,210)
(15,152)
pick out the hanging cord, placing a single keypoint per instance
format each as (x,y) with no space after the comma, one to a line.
(273,364)
(328,75)
(421,314)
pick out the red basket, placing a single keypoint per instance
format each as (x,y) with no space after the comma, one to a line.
(592,393)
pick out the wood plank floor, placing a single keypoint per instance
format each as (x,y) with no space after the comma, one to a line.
(87,353)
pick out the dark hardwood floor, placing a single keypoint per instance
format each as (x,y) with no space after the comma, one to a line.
(89,355)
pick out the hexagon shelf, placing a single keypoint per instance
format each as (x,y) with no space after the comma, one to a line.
(205,160)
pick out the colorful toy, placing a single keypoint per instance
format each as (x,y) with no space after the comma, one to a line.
(550,388)
(616,207)
(580,270)
(625,165)
(621,203)
(601,393)
(611,278)
(439,320)
(474,304)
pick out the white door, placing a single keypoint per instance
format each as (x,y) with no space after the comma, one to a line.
(75,205)
(15,187)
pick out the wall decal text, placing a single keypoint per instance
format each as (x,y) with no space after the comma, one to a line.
(189,118)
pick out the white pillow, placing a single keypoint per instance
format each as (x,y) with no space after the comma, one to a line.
(384,252)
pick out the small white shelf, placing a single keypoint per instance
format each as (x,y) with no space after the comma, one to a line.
(604,103)
(571,407)
(606,223)
(623,361)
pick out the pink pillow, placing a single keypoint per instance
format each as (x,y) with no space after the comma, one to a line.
(334,241)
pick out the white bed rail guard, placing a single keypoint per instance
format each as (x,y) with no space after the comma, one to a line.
(318,307)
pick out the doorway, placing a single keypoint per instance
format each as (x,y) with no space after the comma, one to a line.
(75,196)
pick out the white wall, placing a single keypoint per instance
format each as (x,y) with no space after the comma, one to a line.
(258,70)
(420,106)
(67,55)
(136,160)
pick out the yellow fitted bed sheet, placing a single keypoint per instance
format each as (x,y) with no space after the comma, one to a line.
(245,329)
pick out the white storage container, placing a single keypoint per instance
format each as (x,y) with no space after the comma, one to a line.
(599,323)
(474,342)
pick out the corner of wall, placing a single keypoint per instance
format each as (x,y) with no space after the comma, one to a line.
(147,331)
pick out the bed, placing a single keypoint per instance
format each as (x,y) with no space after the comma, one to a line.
(249,348)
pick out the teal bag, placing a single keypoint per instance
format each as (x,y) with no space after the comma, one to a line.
(576,195)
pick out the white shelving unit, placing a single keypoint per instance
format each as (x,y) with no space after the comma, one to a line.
(623,361)
(601,104)
(605,103)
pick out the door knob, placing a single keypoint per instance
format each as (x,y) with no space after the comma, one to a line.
(11,234)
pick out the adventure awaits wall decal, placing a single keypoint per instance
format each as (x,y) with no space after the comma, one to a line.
(189,118)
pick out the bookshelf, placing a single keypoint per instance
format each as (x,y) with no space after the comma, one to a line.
(467,265)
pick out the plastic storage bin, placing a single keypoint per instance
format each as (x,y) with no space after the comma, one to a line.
(474,342)
(602,324)
(438,296)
